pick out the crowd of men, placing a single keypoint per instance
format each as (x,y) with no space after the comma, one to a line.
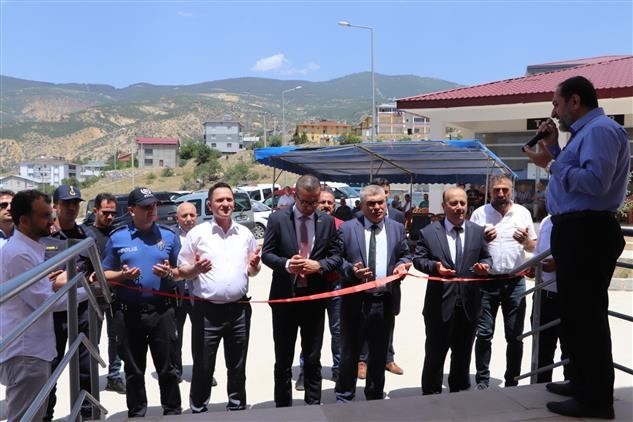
(160,275)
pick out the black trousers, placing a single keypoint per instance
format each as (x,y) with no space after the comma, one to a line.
(309,318)
(456,334)
(137,330)
(210,323)
(586,247)
(60,323)
(550,311)
(182,310)
(364,316)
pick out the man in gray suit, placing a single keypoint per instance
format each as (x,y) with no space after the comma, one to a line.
(371,247)
(451,248)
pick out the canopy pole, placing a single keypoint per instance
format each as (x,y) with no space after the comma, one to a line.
(488,174)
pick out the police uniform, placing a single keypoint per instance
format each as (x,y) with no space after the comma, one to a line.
(142,318)
(55,243)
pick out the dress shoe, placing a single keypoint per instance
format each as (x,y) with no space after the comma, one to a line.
(394,368)
(299,384)
(482,386)
(362,370)
(116,385)
(575,409)
(560,388)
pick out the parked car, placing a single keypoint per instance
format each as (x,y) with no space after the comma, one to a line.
(261,192)
(242,212)
(261,213)
(343,191)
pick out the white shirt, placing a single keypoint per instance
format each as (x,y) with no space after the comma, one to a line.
(20,254)
(542,244)
(381,251)
(506,252)
(4,238)
(451,238)
(227,281)
(285,201)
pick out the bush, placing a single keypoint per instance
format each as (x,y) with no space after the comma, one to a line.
(167,172)
(150,177)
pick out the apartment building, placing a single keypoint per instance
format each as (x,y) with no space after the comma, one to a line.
(225,136)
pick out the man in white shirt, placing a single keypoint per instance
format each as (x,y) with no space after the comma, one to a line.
(286,200)
(550,307)
(219,256)
(25,365)
(6,222)
(509,232)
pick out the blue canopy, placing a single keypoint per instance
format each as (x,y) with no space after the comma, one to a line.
(462,161)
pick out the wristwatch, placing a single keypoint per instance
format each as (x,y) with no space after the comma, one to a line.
(549,166)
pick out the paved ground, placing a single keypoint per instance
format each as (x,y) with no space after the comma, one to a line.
(403,391)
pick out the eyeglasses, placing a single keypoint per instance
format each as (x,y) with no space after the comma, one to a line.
(108,213)
(504,190)
(4,205)
(307,203)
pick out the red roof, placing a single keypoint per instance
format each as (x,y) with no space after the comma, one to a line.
(612,78)
(158,141)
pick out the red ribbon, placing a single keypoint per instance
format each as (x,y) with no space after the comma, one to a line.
(325,295)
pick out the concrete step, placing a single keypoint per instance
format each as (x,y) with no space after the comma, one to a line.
(495,404)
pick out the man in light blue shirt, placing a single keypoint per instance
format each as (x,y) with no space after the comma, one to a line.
(587,185)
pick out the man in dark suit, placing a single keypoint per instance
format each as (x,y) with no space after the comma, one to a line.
(449,248)
(371,247)
(391,366)
(299,246)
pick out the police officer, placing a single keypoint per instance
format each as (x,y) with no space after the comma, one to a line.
(66,200)
(141,258)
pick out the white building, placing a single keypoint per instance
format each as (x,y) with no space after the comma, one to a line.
(17,183)
(50,172)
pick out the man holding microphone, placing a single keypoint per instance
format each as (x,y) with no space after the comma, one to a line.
(588,180)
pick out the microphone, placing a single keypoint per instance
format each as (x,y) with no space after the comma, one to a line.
(534,140)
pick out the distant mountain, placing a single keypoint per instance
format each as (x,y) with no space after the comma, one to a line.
(87,120)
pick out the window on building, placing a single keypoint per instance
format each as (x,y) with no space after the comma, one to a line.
(229,145)
(213,145)
(149,162)
(149,151)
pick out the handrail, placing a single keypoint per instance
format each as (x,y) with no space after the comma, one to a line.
(42,396)
(20,283)
(536,261)
(84,395)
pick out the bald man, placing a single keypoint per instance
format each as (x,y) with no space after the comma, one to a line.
(187,218)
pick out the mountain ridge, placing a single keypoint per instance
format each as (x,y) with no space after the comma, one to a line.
(89,120)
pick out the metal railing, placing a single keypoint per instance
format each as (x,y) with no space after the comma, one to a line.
(22,282)
(535,261)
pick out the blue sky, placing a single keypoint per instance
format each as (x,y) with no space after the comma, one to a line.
(185,42)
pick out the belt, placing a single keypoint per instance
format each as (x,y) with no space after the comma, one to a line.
(549,294)
(376,297)
(580,215)
(142,307)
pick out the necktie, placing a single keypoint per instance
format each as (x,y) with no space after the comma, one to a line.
(458,246)
(304,248)
(371,258)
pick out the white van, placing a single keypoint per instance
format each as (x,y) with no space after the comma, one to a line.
(343,190)
(261,191)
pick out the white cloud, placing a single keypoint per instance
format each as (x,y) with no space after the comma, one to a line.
(279,62)
(273,62)
(185,14)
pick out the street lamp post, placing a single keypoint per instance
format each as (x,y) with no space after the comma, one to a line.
(283,113)
(374,123)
